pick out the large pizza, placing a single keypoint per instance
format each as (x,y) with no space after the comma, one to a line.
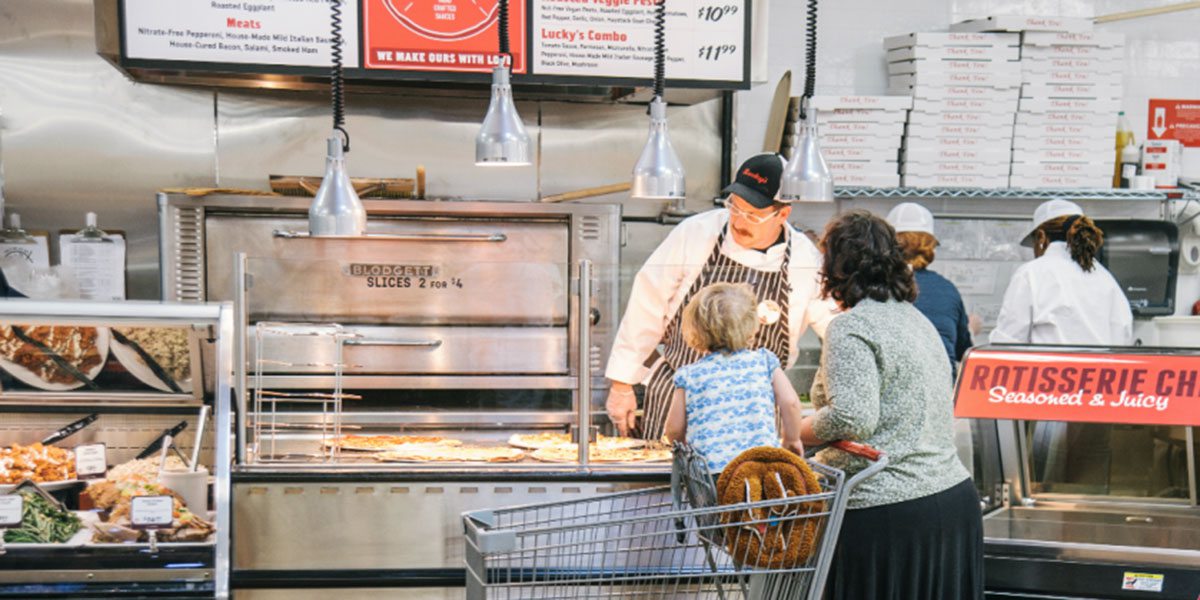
(382,443)
(570,454)
(444,453)
(537,441)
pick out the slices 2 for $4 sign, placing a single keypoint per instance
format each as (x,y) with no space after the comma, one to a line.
(1045,385)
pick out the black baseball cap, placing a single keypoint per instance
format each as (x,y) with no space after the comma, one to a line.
(757,180)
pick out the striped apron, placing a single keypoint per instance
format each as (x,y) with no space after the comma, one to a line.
(675,353)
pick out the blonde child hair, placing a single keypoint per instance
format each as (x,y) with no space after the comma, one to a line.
(722,317)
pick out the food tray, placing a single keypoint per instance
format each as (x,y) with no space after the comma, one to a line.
(132,361)
(33,380)
(49,486)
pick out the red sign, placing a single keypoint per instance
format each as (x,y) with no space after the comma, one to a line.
(1175,120)
(440,35)
(1141,389)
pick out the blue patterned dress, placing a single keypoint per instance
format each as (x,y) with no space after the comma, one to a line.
(730,403)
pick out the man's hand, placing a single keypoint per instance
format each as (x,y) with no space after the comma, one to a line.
(974,323)
(622,407)
(795,447)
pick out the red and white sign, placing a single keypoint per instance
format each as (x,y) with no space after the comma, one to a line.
(440,35)
(1174,120)
(1140,389)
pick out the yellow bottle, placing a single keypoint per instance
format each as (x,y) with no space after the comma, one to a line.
(1124,138)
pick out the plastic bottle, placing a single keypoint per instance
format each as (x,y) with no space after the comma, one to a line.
(1131,159)
(1124,138)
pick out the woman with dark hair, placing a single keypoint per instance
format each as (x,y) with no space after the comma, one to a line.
(914,530)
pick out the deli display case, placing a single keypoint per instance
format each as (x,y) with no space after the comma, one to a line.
(106,405)
(449,360)
(1097,449)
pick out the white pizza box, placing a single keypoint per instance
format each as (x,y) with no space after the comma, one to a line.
(1025,23)
(972,181)
(1102,39)
(1067,118)
(1087,154)
(839,140)
(918,144)
(858,115)
(959,117)
(867,180)
(931,77)
(995,168)
(1072,51)
(942,39)
(1090,105)
(891,130)
(1060,181)
(861,153)
(991,153)
(1007,104)
(1062,142)
(987,53)
(1070,169)
(1061,76)
(1046,65)
(1072,90)
(962,130)
(1099,128)
(886,103)
(971,92)
(866,167)
(995,67)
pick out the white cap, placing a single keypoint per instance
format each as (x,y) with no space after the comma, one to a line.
(1049,211)
(910,216)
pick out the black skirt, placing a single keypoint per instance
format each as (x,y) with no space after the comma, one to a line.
(929,548)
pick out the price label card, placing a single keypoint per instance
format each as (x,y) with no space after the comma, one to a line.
(11,508)
(91,461)
(152,512)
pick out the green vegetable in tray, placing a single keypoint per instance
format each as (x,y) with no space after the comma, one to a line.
(43,523)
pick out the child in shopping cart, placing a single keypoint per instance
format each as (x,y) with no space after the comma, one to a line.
(726,401)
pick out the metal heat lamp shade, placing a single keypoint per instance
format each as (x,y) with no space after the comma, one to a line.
(658,174)
(336,209)
(502,140)
(806,177)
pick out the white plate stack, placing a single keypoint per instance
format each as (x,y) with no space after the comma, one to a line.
(965,88)
(1070,96)
(860,137)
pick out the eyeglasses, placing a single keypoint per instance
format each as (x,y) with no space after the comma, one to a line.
(751,217)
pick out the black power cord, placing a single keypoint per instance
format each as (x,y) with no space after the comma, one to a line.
(336,83)
(660,48)
(810,56)
(502,14)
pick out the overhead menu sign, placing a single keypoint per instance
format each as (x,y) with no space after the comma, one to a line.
(257,32)
(704,39)
(440,35)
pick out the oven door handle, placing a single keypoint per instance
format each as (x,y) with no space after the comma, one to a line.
(401,343)
(397,237)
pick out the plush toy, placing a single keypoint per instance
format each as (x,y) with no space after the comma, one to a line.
(778,537)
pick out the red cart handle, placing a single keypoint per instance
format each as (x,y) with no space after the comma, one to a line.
(858,449)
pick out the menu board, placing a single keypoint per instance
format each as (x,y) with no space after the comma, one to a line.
(440,35)
(704,39)
(587,42)
(262,32)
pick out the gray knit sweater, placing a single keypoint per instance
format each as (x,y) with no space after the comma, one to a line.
(884,380)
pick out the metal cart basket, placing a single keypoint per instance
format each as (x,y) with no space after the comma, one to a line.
(666,542)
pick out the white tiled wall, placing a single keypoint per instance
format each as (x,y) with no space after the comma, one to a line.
(1162,52)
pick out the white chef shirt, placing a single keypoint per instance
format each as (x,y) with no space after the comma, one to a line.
(665,278)
(1051,300)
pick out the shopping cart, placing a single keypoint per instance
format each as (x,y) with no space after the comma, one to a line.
(666,542)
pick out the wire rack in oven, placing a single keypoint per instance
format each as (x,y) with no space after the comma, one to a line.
(267,428)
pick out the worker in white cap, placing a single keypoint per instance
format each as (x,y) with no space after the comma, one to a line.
(1065,296)
(937,298)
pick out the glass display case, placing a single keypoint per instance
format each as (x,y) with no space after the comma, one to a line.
(105,402)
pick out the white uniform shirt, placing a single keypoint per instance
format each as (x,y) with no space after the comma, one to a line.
(1051,300)
(665,278)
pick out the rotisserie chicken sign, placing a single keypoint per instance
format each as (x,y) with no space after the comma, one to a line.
(1047,385)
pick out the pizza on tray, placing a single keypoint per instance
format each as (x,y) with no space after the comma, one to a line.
(382,443)
(443,453)
(569,454)
(537,441)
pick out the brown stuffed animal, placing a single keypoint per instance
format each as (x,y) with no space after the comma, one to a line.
(787,538)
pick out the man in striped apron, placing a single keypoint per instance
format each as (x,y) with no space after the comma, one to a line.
(749,241)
